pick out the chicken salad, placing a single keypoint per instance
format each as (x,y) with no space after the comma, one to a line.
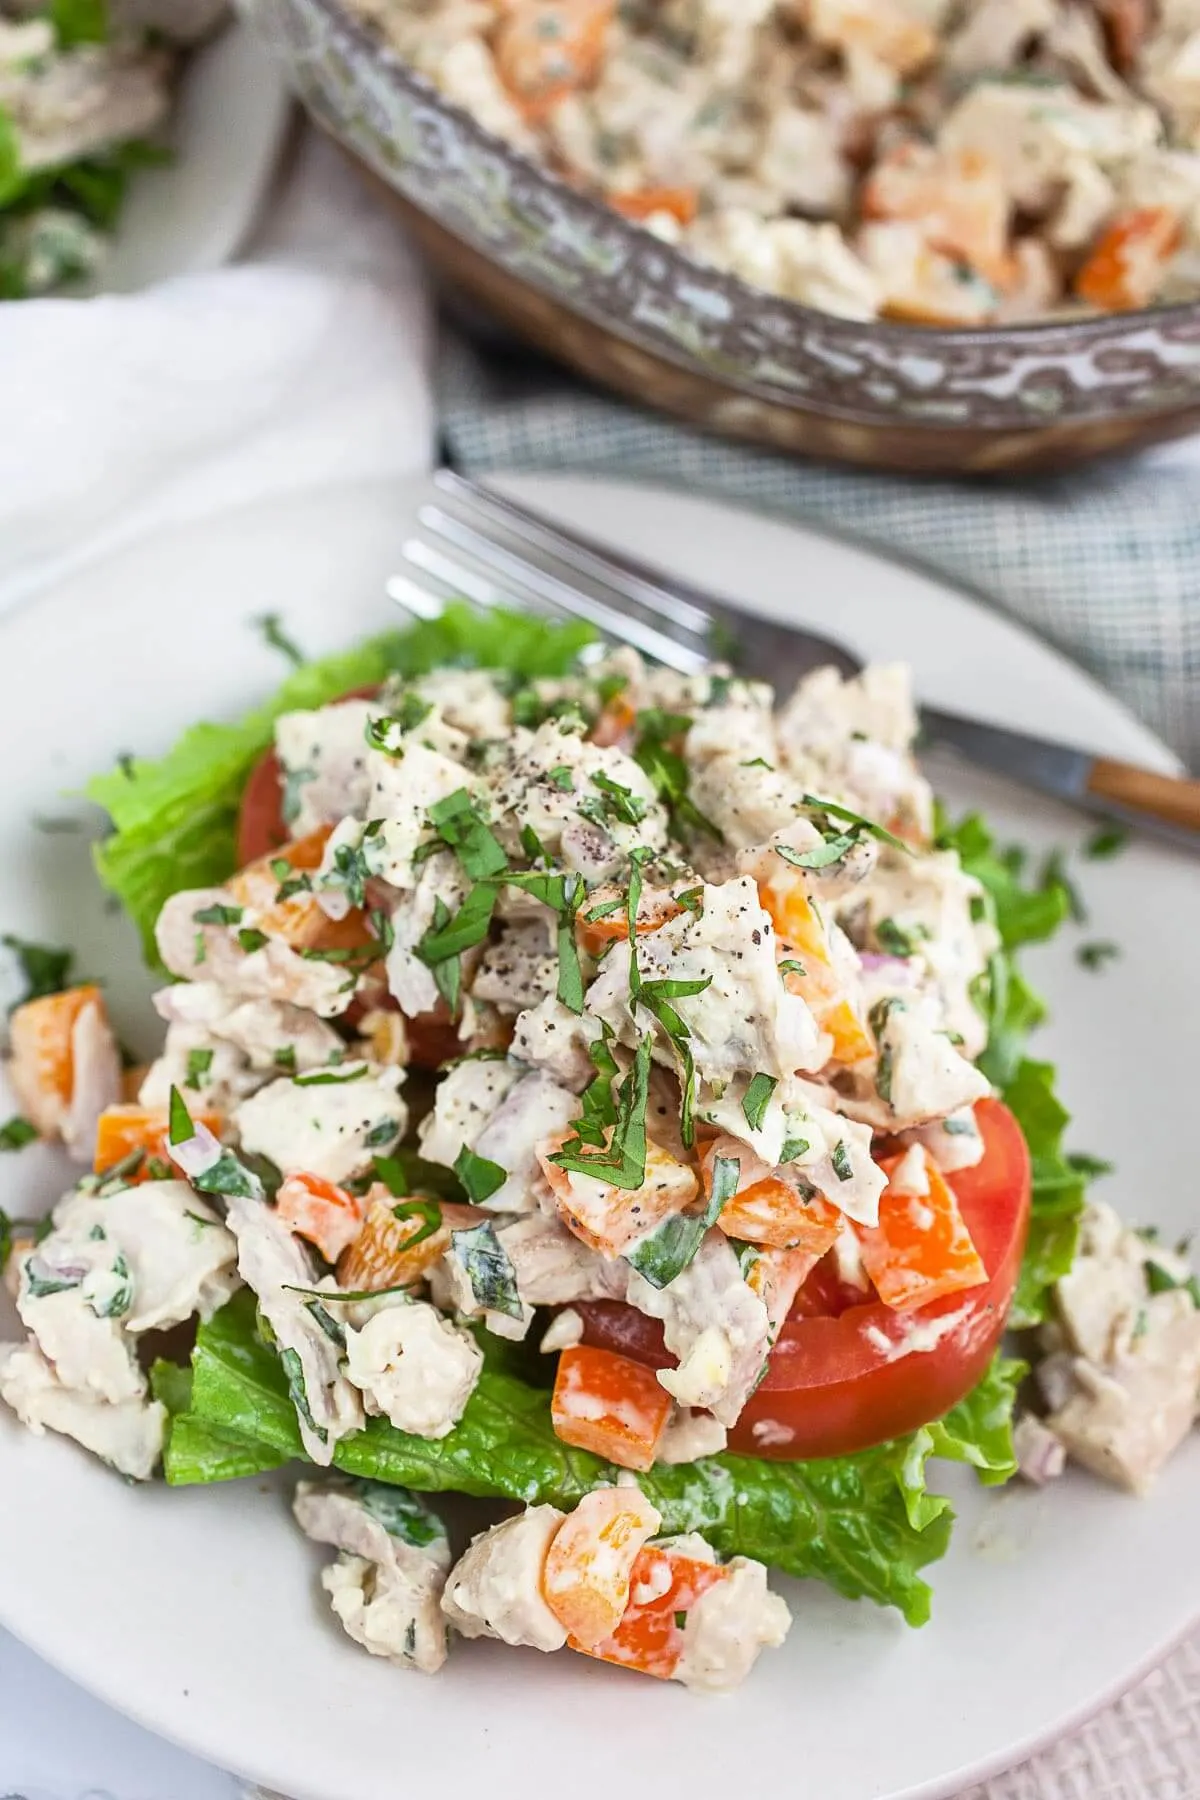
(85,90)
(592,1091)
(939,162)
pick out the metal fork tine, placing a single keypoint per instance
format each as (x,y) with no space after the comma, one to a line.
(581,557)
(548,589)
(415,600)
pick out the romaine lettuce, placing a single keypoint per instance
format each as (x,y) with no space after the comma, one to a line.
(866,1524)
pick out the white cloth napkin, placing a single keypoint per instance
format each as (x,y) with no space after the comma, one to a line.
(305,367)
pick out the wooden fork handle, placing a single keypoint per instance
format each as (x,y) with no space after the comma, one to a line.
(1172,798)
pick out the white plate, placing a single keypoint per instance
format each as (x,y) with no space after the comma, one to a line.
(198,1611)
(226,131)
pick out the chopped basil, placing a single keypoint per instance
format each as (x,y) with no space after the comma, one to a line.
(836,811)
(199,949)
(680,1621)
(840,1159)
(1160,1281)
(44,970)
(355,864)
(293,781)
(617,802)
(562,777)
(179,1120)
(792,1148)
(623,1163)
(16,1133)
(273,634)
(1105,842)
(199,1062)
(285,1058)
(290,883)
(654,753)
(459,823)
(822,855)
(692,900)
(385,735)
(1094,956)
(332,1077)
(229,1175)
(219,913)
(757,1098)
(1054,877)
(487,1267)
(789,966)
(207,1224)
(121,1298)
(326,1321)
(250,939)
(899,940)
(383,1134)
(293,1368)
(41,1281)
(563,894)
(604,910)
(664,1253)
(479,1177)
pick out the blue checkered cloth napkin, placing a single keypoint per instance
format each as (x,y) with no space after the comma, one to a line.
(1104,562)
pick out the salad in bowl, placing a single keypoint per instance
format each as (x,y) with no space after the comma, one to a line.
(594,1091)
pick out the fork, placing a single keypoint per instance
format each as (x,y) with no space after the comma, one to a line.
(480,546)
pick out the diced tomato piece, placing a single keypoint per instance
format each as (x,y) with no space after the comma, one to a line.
(771,1207)
(655,907)
(1127,264)
(608,1218)
(610,1405)
(298,920)
(803,938)
(586,1576)
(664,1586)
(546,49)
(123,1129)
(921,1249)
(616,722)
(643,203)
(322,1212)
(957,200)
(42,1065)
(377,1256)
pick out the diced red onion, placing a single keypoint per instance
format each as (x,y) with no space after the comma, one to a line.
(197,1154)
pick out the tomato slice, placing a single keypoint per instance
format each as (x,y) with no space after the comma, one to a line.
(846,1375)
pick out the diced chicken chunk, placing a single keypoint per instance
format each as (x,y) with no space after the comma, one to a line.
(715,1325)
(324,759)
(198,949)
(329,1123)
(272,1262)
(386,1584)
(127,1435)
(413,1367)
(1126,1389)
(728,1625)
(495,1589)
(744,1018)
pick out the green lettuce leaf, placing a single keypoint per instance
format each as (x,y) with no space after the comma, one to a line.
(866,1524)
(1013,1010)
(175,820)
(198,1451)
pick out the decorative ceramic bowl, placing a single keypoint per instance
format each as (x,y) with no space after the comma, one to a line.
(597,292)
